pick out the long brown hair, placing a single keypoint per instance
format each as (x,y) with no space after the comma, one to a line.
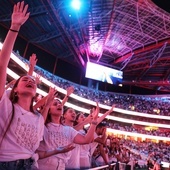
(77,117)
(14,97)
(48,120)
(76,121)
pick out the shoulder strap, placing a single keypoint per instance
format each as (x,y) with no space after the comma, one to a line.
(8,124)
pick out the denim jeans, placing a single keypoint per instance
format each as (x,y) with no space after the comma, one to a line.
(21,164)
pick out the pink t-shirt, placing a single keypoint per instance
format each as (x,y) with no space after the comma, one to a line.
(24,134)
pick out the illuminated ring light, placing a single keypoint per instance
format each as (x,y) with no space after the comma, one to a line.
(48,83)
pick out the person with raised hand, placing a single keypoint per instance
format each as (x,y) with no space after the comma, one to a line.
(41,102)
(69,117)
(19,17)
(32,62)
(54,150)
(21,128)
(87,150)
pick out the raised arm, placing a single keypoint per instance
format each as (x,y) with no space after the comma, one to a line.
(32,62)
(80,139)
(19,17)
(10,84)
(49,99)
(101,118)
(80,126)
(42,101)
(70,90)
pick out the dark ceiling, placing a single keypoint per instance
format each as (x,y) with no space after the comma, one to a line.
(129,35)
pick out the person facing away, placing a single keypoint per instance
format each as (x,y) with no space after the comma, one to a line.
(21,128)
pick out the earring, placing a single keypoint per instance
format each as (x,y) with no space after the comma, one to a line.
(14,97)
(15,94)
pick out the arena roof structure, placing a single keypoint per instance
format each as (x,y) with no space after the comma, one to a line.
(130,35)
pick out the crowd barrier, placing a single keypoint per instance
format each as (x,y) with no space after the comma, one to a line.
(123,166)
(114,166)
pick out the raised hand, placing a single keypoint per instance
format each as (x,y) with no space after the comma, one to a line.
(10,84)
(50,97)
(111,109)
(33,60)
(89,118)
(70,90)
(20,14)
(46,102)
(96,112)
(92,111)
(101,118)
(38,79)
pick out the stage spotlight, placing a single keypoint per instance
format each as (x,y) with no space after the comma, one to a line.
(76,4)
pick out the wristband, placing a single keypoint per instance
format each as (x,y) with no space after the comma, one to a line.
(94,122)
(13,30)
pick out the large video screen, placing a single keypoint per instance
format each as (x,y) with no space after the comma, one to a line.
(103,73)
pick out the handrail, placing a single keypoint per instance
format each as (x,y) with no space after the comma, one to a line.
(102,167)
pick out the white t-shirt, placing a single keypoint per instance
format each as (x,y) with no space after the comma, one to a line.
(99,160)
(56,135)
(93,145)
(84,149)
(74,161)
(24,134)
(85,161)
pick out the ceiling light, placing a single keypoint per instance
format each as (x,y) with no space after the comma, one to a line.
(76,4)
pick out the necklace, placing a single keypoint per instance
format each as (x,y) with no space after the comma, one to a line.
(21,110)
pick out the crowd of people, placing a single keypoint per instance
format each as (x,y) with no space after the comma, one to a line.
(156,105)
(123,101)
(44,134)
(139,129)
(138,154)
(32,139)
(150,104)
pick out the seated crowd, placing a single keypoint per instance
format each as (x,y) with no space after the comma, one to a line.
(141,130)
(136,153)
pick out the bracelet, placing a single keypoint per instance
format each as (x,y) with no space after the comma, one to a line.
(13,30)
(94,122)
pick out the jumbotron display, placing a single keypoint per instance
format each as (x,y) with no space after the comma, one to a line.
(103,73)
